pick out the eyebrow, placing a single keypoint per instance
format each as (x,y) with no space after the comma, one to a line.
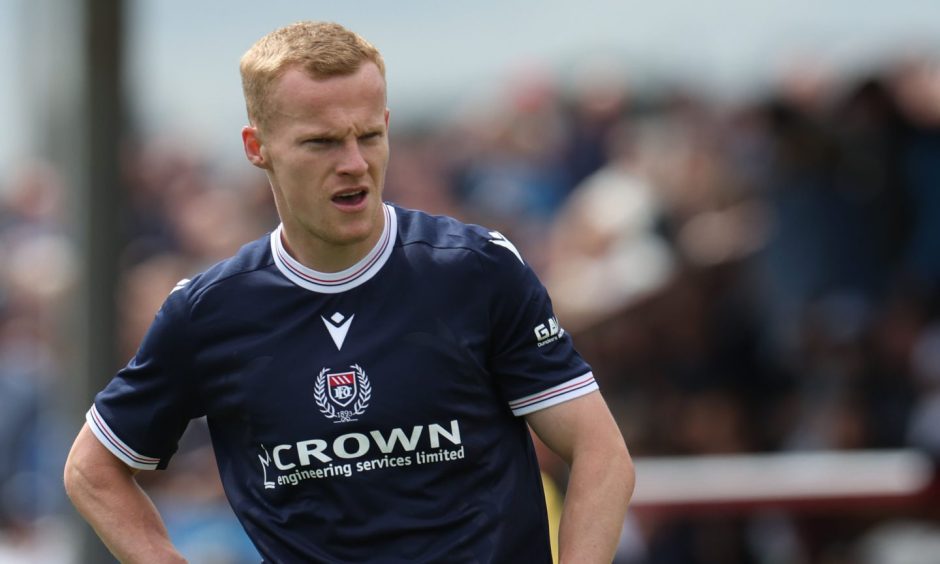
(334,134)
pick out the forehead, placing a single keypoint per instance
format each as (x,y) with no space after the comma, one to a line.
(357,99)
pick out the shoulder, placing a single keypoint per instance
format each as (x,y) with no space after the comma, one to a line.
(443,236)
(224,275)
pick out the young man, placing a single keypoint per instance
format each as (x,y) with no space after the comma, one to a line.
(367,371)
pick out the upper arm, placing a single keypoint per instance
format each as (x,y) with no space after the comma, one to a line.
(142,412)
(577,426)
(531,356)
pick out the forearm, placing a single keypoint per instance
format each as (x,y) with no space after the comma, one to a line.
(107,495)
(599,489)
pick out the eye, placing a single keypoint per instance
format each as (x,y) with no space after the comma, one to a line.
(320,141)
(371,136)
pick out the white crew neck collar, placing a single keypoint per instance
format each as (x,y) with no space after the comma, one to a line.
(337,282)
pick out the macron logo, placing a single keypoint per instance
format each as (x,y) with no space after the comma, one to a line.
(499,239)
(338,325)
(180,285)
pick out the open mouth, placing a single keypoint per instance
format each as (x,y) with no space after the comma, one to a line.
(350,198)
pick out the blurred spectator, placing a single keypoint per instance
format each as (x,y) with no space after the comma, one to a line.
(38,271)
(604,252)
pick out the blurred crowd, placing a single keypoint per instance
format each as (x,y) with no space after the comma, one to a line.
(756,275)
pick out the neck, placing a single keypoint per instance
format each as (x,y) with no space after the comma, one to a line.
(325,256)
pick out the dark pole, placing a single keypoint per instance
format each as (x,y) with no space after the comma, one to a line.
(104,194)
(99,208)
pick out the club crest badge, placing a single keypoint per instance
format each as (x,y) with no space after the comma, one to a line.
(341,396)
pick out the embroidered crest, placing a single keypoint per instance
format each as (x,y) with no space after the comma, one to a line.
(335,391)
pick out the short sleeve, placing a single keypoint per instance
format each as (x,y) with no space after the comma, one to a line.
(533,359)
(141,414)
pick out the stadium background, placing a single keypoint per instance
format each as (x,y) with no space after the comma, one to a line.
(736,208)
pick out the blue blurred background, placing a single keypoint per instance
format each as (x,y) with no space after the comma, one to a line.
(735,205)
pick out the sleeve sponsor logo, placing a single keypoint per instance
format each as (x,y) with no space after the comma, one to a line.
(548,332)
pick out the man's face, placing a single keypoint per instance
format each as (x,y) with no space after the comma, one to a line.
(325,151)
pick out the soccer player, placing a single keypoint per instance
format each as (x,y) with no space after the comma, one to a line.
(367,371)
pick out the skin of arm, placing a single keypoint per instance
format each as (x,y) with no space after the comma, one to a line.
(106,493)
(583,432)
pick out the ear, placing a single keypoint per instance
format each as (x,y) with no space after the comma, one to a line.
(254,150)
(386,118)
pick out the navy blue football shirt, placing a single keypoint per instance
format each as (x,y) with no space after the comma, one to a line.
(367,415)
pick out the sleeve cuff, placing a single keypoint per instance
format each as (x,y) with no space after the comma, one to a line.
(576,387)
(114,444)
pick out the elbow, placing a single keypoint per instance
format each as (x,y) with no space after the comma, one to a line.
(613,469)
(85,478)
(621,463)
(91,470)
(629,473)
(74,479)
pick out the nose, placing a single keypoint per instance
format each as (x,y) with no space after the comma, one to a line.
(351,161)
